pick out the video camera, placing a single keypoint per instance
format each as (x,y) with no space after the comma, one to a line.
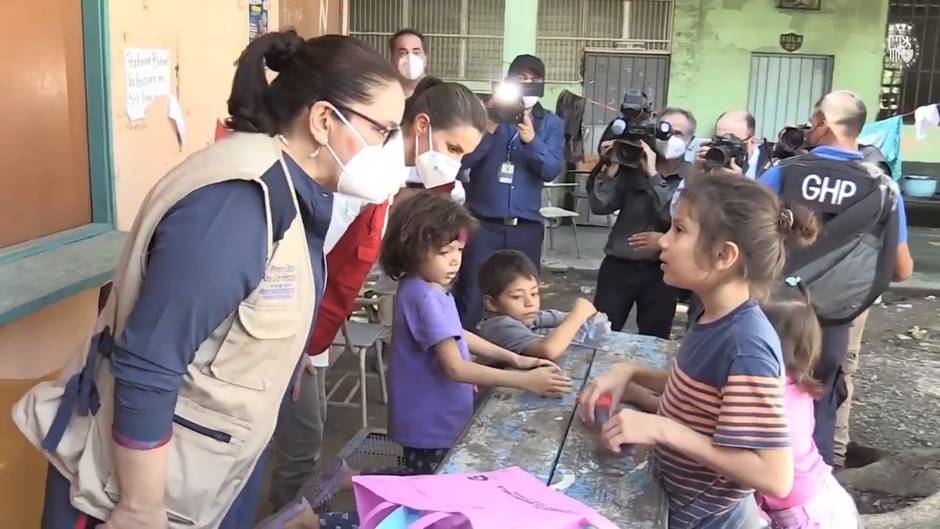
(637,123)
(507,105)
(791,141)
(725,148)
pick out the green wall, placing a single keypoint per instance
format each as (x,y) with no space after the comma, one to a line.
(713,41)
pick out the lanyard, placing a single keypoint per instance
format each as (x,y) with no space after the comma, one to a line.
(509,146)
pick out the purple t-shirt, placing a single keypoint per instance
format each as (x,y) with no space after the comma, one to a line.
(426,409)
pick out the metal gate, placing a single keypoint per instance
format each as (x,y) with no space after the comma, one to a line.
(607,76)
(784,88)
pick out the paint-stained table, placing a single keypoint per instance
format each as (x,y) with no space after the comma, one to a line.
(545,437)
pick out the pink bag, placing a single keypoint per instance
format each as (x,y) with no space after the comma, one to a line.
(505,499)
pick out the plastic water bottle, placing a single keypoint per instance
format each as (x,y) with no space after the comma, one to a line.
(602,414)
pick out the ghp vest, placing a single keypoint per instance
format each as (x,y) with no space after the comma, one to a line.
(227,405)
(852,261)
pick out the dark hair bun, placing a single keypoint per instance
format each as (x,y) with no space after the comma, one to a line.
(283,46)
(805,227)
(424,85)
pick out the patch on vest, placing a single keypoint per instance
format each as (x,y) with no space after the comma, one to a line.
(279,283)
(827,190)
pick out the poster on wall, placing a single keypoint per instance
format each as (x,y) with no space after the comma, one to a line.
(147,73)
(257,18)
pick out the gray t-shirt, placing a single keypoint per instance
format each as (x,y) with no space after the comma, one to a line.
(510,333)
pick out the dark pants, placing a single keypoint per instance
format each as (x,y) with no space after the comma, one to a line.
(835,344)
(491,236)
(58,513)
(621,283)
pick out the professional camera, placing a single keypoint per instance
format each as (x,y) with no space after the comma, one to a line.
(638,123)
(507,104)
(725,148)
(791,141)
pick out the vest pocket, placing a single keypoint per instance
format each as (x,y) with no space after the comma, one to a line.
(247,355)
(206,445)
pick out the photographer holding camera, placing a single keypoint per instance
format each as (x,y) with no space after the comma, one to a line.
(524,148)
(642,163)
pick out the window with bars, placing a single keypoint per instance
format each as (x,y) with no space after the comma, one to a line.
(904,89)
(464,37)
(566,28)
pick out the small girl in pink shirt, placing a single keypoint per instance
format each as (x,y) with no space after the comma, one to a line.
(817,500)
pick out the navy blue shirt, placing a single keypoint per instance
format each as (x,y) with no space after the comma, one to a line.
(535,163)
(206,256)
(773,179)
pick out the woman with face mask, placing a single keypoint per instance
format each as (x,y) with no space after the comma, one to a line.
(164,417)
(441,122)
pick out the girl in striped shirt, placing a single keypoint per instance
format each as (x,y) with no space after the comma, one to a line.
(719,427)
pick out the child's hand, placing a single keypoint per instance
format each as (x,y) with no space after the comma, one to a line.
(531,362)
(547,381)
(583,309)
(632,427)
(613,382)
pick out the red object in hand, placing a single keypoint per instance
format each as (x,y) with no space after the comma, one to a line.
(602,410)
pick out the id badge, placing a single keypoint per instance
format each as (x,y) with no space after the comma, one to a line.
(505,172)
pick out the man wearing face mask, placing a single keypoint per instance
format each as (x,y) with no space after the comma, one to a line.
(506,174)
(407,48)
(844,269)
(630,272)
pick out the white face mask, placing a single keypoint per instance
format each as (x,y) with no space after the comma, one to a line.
(530,101)
(435,168)
(411,67)
(374,173)
(673,148)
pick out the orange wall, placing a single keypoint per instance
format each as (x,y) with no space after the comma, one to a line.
(204,38)
(31,348)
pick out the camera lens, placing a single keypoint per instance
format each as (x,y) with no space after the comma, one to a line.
(718,156)
(792,138)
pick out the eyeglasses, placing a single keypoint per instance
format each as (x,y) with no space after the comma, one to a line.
(389,132)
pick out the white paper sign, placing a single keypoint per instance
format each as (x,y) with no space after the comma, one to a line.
(148,77)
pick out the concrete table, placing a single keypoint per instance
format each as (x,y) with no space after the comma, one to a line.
(545,437)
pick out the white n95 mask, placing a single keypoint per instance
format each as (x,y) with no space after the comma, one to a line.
(374,173)
(672,148)
(433,167)
(411,67)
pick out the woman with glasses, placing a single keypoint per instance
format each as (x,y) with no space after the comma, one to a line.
(165,416)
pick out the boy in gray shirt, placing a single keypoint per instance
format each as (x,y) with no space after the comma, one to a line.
(509,283)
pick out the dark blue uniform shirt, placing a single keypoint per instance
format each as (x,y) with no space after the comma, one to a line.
(535,163)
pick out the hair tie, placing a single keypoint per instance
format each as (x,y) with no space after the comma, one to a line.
(463,236)
(793,281)
(786,220)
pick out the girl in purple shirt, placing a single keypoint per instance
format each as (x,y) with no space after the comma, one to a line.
(817,500)
(431,375)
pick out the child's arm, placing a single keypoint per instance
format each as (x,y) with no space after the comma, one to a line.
(642,397)
(548,380)
(769,471)
(554,344)
(617,382)
(489,351)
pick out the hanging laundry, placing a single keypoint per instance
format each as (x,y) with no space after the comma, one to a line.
(886,135)
(926,117)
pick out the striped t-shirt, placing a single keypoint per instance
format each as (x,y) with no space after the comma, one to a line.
(727,383)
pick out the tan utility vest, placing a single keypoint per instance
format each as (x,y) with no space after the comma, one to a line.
(228,403)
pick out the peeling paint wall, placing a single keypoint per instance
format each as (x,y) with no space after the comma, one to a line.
(713,41)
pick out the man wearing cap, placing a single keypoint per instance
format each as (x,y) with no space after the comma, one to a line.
(506,174)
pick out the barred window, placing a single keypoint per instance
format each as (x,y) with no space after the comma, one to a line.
(464,37)
(904,89)
(566,28)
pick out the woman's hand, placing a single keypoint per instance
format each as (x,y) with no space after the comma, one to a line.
(613,382)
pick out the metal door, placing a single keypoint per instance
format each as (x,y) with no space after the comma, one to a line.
(607,76)
(784,88)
